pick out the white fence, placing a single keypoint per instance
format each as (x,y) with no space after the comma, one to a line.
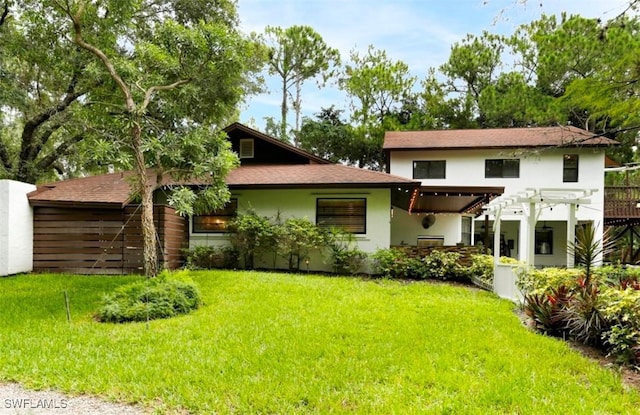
(16,228)
(504,282)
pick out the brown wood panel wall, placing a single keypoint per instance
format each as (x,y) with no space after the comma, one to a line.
(103,241)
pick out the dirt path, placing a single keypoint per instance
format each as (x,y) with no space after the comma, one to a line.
(15,400)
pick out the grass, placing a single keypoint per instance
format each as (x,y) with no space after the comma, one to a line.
(275,343)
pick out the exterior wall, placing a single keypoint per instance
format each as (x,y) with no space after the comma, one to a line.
(301,204)
(102,241)
(16,228)
(406,228)
(539,168)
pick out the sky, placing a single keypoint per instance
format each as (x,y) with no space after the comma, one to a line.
(417,32)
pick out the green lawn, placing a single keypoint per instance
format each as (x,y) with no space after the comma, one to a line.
(276,343)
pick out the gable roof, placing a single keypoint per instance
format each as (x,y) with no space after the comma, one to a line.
(236,126)
(493,138)
(114,190)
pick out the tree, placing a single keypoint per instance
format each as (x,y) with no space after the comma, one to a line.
(378,87)
(296,54)
(328,136)
(178,69)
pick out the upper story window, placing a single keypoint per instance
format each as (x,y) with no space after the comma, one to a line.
(348,214)
(570,168)
(429,169)
(217,221)
(502,168)
(246,148)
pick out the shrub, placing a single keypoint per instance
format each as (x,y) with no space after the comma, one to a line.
(153,298)
(584,320)
(443,265)
(482,268)
(540,281)
(390,263)
(546,310)
(203,257)
(299,238)
(250,234)
(346,257)
(622,311)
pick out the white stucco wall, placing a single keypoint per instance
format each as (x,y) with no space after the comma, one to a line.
(302,203)
(406,228)
(16,228)
(539,168)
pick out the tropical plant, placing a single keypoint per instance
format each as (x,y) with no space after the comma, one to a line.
(250,234)
(546,309)
(345,254)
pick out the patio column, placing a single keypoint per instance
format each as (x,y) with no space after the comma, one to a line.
(571,234)
(531,235)
(496,238)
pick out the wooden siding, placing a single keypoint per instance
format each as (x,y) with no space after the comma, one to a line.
(103,241)
(620,205)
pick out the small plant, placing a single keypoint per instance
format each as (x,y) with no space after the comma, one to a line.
(443,265)
(203,257)
(585,321)
(390,263)
(153,298)
(546,310)
(346,257)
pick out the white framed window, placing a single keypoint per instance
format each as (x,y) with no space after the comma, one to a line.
(348,214)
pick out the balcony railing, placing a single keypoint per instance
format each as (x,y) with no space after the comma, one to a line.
(621,203)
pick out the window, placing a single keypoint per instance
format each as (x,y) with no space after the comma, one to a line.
(216,222)
(502,168)
(544,241)
(348,214)
(246,148)
(432,169)
(570,168)
(465,238)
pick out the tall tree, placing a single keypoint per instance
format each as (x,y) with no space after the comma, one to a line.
(378,87)
(327,136)
(177,69)
(298,53)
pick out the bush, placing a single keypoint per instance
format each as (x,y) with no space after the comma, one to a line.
(622,311)
(482,268)
(390,263)
(543,280)
(250,235)
(153,298)
(346,257)
(211,257)
(443,266)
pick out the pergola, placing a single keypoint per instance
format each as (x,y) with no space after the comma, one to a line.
(530,203)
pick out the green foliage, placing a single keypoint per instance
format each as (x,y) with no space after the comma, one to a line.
(583,317)
(299,238)
(546,309)
(542,280)
(442,265)
(346,257)
(296,54)
(251,234)
(161,297)
(211,257)
(390,263)
(482,267)
(622,311)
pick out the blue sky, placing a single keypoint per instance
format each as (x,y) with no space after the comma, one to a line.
(418,32)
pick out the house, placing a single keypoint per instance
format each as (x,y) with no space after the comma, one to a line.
(539,183)
(91,225)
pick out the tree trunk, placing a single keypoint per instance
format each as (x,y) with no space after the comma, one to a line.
(150,253)
(297,105)
(283,112)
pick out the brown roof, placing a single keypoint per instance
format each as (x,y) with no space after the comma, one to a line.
(493,138)
(113,190)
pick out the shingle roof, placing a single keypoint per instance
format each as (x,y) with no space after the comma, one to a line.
(115,189)
(493,138)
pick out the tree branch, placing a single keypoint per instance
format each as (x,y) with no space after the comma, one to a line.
(149,94)
(5,12)
(62,150)
(4,156)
